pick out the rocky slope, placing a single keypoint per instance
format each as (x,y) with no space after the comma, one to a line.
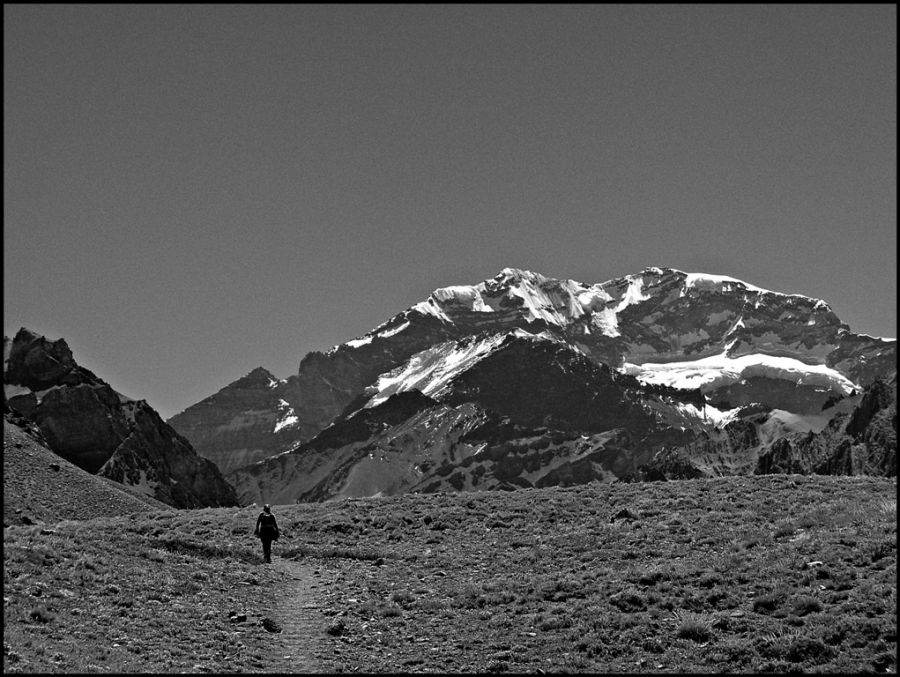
(39,486)
(86,422)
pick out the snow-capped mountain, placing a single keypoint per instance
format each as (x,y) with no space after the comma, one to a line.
(733,344)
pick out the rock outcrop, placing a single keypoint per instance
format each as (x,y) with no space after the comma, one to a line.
(86,422)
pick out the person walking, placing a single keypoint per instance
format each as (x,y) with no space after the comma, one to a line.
(267,530)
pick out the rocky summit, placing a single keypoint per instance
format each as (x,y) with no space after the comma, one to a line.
(83,420)
(525,380)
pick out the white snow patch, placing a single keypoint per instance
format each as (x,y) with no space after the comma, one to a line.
(879,338)
(718,283)
(467,296)
(737,325)
(287,418)
(593,299)
(358,342)
(381,331)
(634,294)
(554,302)
(707,412)
(721,370)
(394,330)
(606,321)
(430,307)
(430,370)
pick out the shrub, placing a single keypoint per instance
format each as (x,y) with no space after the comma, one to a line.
(805,605)
(40,614)
(765,603)
(556,623)
(784,530)
(709,580)
(695,630)
(402,597)
(650,577)
(628,601)
(806,649)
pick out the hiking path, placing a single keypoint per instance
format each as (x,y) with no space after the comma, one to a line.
(296,607)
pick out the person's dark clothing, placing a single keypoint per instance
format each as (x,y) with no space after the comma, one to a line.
(267,530)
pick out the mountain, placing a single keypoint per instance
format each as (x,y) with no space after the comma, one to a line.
(245,422)
(740,351)
(481,412)
(84,421)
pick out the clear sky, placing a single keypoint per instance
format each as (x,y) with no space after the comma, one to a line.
(192,191)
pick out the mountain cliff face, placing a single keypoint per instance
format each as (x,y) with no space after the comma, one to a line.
(741,351)
(86,422)
(244,422)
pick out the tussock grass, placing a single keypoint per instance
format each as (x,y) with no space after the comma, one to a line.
(746,574)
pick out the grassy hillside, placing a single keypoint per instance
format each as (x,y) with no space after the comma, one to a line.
(740,574)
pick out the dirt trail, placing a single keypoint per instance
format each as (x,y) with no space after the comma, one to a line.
(296,606)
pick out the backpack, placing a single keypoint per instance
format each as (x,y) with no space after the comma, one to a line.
(269,526)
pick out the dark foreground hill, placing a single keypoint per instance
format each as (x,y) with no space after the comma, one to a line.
(775,573)
(83,420)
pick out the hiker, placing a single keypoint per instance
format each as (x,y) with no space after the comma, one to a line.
(267,530)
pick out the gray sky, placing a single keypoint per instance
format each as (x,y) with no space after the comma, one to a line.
(191,191)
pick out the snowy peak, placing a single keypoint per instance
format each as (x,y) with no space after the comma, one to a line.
(531,296)
(554,302)
(517,297)
(722,329)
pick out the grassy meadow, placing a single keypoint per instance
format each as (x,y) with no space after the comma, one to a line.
(779,573)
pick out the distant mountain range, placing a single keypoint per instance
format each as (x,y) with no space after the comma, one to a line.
(523,380)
